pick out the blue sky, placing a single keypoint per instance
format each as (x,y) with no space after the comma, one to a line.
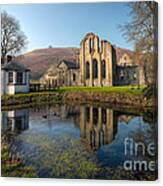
(64,25)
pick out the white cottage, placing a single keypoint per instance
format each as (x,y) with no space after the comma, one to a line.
(14,78)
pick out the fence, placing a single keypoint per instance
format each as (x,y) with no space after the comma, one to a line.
(38,87)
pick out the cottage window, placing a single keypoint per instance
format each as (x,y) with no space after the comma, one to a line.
(10,77)
(19,77)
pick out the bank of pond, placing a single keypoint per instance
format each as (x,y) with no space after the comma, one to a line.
(123,96)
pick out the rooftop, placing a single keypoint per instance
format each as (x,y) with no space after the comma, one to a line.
(69,64)
(14,66)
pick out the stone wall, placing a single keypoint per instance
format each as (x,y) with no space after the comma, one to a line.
(120,99)
(127,75)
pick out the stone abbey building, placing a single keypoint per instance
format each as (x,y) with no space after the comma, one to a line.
(99,64)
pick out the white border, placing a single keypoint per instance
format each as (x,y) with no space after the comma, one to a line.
(62,1)
(62,182)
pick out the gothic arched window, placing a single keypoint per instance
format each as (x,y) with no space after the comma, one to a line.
(90,45)
(74,77)
(103,69)
(87,70)
(95,69)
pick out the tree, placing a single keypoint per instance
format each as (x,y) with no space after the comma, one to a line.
(142,32)
(13,39)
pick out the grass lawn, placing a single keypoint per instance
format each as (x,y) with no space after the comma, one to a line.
(115,89)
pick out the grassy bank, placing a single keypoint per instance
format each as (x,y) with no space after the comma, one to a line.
(122,95)
(32,98)
(116,89)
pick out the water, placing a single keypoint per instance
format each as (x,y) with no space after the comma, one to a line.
(79,141)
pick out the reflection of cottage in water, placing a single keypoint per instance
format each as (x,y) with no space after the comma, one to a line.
(15,120)
(98,126)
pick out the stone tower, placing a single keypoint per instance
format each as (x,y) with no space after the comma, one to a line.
(97,61)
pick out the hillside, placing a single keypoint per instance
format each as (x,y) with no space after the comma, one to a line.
(41,59)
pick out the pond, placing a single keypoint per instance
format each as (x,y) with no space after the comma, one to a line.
(84,141)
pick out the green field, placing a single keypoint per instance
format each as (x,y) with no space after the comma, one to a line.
(115,89)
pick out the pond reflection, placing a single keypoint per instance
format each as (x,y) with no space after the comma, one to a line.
(98,125)
(15,120)
(45,135)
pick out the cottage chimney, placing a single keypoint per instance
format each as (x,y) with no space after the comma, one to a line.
(9,58)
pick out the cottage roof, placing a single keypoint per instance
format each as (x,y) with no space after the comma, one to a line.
(69,64)
(14,66)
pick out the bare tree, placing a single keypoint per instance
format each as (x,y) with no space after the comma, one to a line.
(142,32)
(13,39)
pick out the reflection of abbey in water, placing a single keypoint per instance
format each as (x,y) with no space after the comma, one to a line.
(98,125)
(15,120)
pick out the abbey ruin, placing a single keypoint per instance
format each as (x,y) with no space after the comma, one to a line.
(99,64)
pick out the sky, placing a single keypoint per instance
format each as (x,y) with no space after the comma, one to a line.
(64,25)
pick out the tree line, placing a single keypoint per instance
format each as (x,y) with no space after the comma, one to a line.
(142,31)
